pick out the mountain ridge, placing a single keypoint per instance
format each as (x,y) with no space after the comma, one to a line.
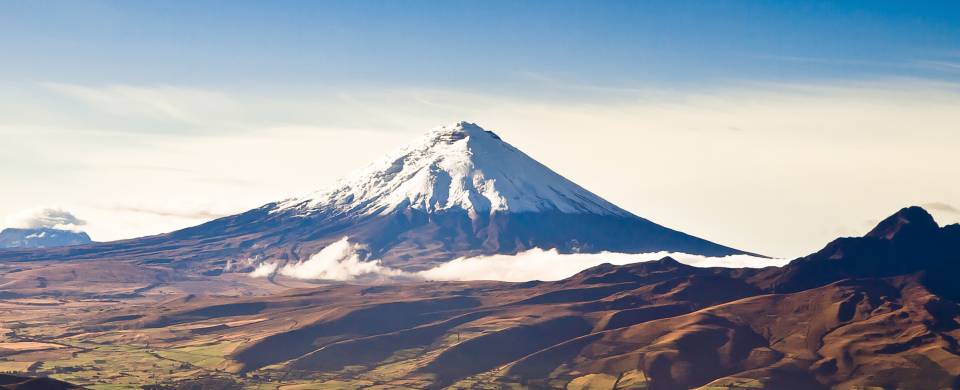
(908,241)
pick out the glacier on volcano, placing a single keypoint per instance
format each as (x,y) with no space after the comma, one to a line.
(459,166)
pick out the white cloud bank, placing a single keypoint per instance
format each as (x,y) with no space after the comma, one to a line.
(264,270)
(51,218)
(343,261)
(539,264)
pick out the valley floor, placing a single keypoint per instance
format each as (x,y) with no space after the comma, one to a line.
(656,325)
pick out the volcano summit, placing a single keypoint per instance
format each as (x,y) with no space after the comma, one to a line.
(458,191)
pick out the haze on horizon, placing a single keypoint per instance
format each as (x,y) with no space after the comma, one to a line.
(771,127)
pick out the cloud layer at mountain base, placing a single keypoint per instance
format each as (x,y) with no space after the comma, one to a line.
(539,264)
(343,261)
(264,270)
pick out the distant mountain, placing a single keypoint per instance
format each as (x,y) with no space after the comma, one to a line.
(458,191)
(41,238)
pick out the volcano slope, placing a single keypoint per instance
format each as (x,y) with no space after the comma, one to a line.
(878,311)
(458,191)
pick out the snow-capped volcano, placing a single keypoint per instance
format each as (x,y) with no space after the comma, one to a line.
(458,191)
(459,166)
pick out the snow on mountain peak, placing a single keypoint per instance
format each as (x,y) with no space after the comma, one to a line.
(459,166)
(458,131)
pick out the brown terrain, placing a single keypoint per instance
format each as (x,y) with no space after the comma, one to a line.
(873,312)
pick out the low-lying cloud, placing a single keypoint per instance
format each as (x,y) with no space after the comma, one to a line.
(50,218)
(264,270)
(344,261)
(539,264)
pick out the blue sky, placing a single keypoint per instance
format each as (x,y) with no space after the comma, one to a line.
(769,126)
(503,45)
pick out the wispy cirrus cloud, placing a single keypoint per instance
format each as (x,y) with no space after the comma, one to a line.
(186,105)
(940,65)
(835,61)
(194,214)
(941,206)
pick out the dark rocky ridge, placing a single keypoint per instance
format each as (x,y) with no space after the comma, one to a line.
(909,241)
